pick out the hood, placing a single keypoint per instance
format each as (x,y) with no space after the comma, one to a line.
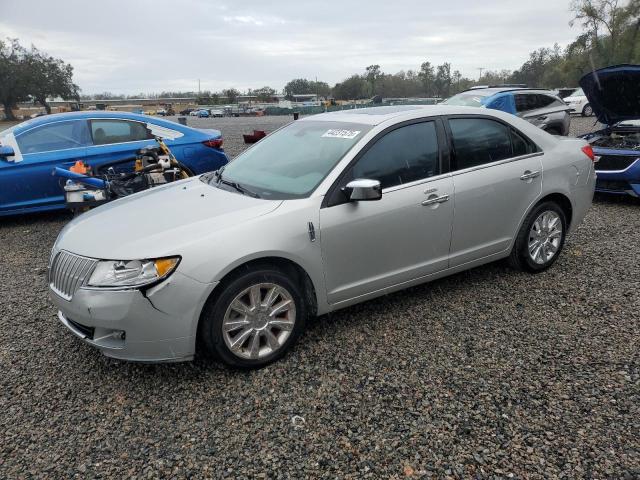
(160,221)
(613,93)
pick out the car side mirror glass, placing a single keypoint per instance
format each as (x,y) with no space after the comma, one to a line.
(5,152)
(362,190)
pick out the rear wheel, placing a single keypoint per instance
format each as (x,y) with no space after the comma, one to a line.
(255,319)
(540,239)
(587,111)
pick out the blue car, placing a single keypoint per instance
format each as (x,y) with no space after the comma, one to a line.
(614,95)
(30,150)
(203,113)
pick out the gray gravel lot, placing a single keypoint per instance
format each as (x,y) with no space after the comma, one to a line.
(490,373)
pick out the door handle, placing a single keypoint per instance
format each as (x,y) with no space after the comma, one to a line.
(528,174)
(433,200)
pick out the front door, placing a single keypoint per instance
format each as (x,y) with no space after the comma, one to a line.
(30,183)
(368,246)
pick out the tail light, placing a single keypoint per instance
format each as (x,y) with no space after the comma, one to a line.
(588,151)
(213,143)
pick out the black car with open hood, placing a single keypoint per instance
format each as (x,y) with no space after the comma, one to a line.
(614,93)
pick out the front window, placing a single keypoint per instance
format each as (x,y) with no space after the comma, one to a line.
(55,136)
(578,93)
(467,99)
(291,162)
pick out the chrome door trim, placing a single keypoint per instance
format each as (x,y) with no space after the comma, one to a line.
(433,201)
(528,175)
(499,162)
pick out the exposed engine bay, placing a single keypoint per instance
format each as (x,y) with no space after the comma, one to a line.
(617,140)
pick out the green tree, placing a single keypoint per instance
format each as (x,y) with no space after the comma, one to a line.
(372,76)
(264,94)
(352,88)
(14,76)
(427,77)
(297,86)
(231,94)
(49,78)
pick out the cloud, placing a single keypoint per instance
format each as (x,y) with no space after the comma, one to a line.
(128,46)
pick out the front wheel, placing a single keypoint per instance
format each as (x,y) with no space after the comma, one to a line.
(254,320)
(540,239)
(587,111)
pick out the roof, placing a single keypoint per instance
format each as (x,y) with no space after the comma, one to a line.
(56,117)
(493,90)
(378,115)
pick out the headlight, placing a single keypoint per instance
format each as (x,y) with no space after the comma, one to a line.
(131,273)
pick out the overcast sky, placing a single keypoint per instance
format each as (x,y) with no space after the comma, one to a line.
(132,46)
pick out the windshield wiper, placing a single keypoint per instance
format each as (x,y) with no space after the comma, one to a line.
(240,188)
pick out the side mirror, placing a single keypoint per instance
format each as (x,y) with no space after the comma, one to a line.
(362,189)
(5,152)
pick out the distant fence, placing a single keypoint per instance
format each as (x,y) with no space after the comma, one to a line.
(309,110)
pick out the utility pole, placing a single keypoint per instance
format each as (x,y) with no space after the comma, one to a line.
(481,70)
(198,87)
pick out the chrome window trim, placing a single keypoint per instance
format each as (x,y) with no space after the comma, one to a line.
(496,163)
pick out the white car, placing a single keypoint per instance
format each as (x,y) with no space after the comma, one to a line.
(579,103)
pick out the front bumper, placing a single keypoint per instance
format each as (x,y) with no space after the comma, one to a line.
(619,182)
(158,325)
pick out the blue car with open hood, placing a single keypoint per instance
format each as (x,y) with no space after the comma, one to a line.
(30,150)
(614,95)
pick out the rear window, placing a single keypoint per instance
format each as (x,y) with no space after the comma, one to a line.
(105,132)
(55,136)
(467,99)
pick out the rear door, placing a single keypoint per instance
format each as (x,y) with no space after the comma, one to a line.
(497,176)
(29,183)
(114,142)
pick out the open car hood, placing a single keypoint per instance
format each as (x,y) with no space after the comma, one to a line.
(614,93)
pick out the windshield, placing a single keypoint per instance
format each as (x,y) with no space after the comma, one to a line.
(291,162)
(466,99)
(578,93)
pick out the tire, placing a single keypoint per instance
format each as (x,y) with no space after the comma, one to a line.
(587,111)
(521,258)
(283,330)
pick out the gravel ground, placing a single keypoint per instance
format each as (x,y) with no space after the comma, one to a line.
(490,373)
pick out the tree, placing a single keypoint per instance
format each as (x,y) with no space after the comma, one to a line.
(352,88)
(427,77)
(49,78)
(264,94)
(443,80)
(14,76)
(372,75)
(297,86)
(231,94)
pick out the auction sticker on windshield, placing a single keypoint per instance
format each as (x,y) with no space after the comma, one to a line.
(336,133)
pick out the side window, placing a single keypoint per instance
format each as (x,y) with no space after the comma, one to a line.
(55,136)
(522,104)
(521,146)
(105,132)
(543,101)
(403,155)
(477,141)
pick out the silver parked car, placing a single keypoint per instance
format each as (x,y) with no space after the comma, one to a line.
(327,212)
(543,108)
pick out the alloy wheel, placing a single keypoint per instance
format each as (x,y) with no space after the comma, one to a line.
(545,237)
(259,320)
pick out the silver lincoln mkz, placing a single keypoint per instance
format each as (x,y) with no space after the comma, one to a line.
(329,211)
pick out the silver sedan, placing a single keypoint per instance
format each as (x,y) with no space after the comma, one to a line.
(327,212)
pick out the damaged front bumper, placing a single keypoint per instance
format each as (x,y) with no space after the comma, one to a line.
(156,325)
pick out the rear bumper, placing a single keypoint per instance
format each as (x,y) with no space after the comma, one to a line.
(157,326)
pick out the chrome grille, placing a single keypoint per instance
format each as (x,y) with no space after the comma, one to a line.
(69,272)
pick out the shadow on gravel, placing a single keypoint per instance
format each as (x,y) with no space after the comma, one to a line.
(603,198)
(35,218)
